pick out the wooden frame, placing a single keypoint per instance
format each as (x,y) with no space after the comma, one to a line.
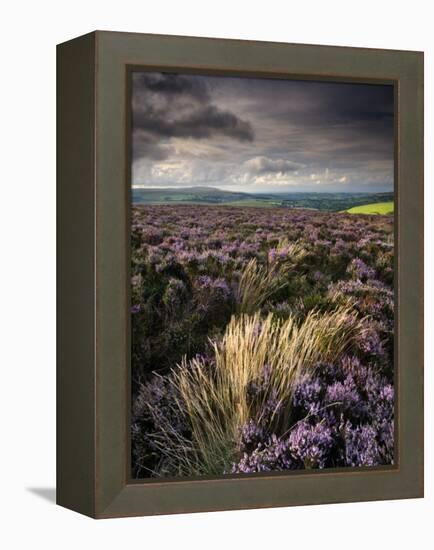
(93,243)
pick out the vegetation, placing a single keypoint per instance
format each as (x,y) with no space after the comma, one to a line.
(375,208)
(262,340)
(333,202)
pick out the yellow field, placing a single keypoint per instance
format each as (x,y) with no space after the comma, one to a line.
(375,208)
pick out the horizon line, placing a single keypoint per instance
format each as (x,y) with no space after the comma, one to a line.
(253,192)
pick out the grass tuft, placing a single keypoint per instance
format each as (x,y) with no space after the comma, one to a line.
(216,399)
(259,282)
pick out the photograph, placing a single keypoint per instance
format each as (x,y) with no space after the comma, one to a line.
(214,275)
(261,274)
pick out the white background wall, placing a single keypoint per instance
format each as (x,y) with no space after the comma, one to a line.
(29,32)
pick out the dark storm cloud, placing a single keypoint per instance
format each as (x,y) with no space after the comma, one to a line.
(203,122)
(175,106)
(269,134)
(340,114)
(359,120)
(171,84)
(340,103)
(350,103)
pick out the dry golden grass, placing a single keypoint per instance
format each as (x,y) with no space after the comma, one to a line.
(217,399)
(259,282)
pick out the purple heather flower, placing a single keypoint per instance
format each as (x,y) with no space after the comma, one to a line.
(371,344)
(359,270)
(311,444)
(318,276)
(307,395)
(273,454)
(220,285)
(361,447)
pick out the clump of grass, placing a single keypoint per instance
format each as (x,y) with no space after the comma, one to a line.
(216,399)
(258,283)
(294,251)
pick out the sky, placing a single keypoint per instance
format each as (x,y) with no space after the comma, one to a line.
(261,135)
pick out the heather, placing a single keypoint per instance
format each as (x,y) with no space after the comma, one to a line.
(262,340)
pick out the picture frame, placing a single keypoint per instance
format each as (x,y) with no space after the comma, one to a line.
(93,375)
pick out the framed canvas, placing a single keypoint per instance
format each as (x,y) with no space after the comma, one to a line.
(240,274)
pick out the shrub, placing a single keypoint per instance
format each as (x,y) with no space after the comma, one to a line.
(343,416)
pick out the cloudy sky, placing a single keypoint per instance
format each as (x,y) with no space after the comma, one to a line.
(261,135)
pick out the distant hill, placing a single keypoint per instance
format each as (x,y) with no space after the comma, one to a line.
(210,195)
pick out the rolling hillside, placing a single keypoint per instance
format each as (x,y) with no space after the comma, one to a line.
(332,202)
(373,208)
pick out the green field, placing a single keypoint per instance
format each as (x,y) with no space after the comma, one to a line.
(255,202)
(330,202)
(374,208)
